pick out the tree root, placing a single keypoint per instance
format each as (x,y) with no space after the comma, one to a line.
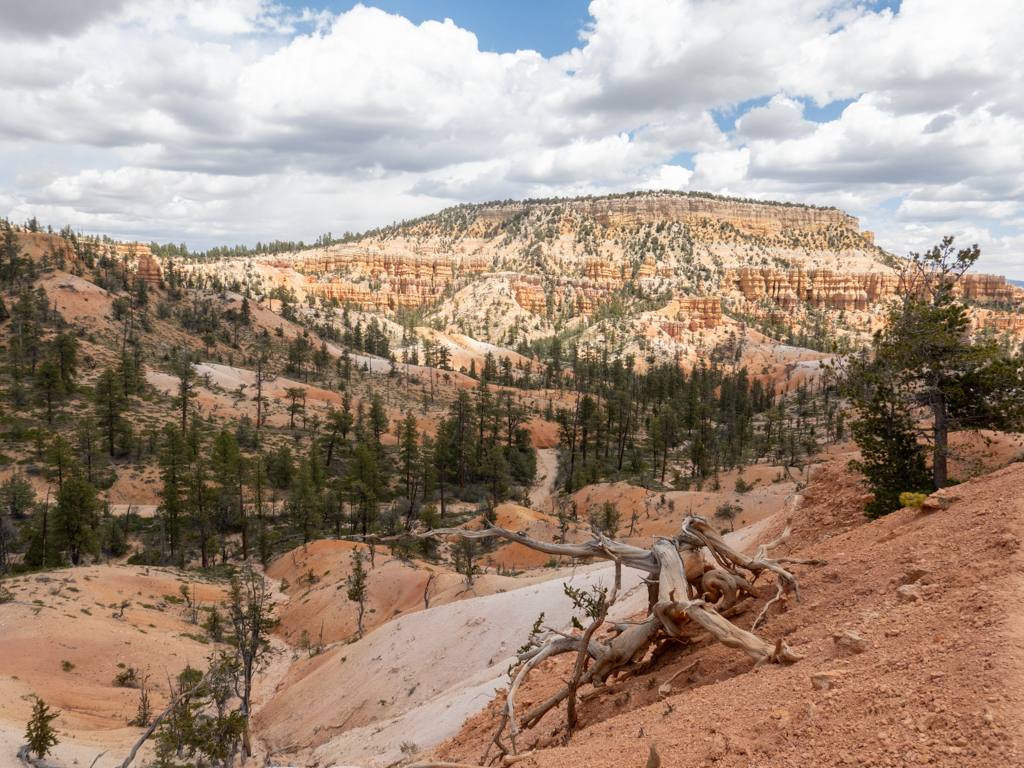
(689,600)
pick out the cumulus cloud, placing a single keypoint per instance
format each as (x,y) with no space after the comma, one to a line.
(780,119)
(228,118)
(45,18)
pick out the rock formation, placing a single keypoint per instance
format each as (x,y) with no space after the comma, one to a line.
(529,293)
(748,218)
(149,269)
(829,289)
(698,312)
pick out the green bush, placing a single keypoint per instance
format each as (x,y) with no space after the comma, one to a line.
(911,499)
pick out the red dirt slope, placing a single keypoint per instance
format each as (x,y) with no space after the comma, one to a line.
(939,682)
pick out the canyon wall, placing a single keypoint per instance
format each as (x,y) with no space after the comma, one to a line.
(406,276)
(748,218)
(380,261)
(850,291)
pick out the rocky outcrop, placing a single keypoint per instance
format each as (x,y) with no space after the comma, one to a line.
(149,269)
(822,288)
(398,275)
(380,261)
(529,293)
(132,251)
(1000,322)
(648,269)
(989,288)
(747,218)
(603,273)
(699,312)
(37,244)
(850,291)
(404,292)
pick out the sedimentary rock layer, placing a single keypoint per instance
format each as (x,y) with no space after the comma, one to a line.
(748,218)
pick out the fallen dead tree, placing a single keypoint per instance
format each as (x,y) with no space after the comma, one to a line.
(691,597)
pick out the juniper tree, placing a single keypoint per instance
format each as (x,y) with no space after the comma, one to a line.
(926,360)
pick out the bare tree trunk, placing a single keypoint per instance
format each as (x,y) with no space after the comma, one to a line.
(939,471)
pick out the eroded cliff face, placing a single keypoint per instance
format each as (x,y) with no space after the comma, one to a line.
(847,291)
(748,218)
(400,274)
(566,259)
(821,288)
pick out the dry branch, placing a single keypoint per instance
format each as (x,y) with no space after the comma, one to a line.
(689,599)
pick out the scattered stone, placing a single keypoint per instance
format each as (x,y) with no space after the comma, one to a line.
(936,502)
(850,642)
(719,747)
(916,573)
(909,593)
(826,680)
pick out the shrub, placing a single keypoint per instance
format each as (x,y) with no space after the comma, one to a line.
(126,679)
(911,499)
(742,486)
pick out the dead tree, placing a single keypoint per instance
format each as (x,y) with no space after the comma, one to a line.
(692,596)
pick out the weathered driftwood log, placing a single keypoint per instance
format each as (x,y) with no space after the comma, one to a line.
(683,590)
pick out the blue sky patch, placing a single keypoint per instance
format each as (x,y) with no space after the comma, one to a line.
(549,27)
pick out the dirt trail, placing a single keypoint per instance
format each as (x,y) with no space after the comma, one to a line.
(547,469)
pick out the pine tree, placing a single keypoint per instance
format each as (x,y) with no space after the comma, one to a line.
(357,588)
(378,418)
(73,528)
(926,359)
(408,449)
(40,734)
(175,459)
(49,386)
(186,373)
(110,406)
(65,350)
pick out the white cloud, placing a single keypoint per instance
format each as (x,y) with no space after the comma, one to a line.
(780,119)
(242,119)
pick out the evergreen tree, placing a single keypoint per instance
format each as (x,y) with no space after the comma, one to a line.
(408,449)
(49,386)
(926,359)
(175,459)
(110,407)
(40,734)
(378,418)
(65,350)
(187,391)
(73,518)
(86,442)
(303,503)
(357,587)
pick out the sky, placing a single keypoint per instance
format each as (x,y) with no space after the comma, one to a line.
(216,122)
